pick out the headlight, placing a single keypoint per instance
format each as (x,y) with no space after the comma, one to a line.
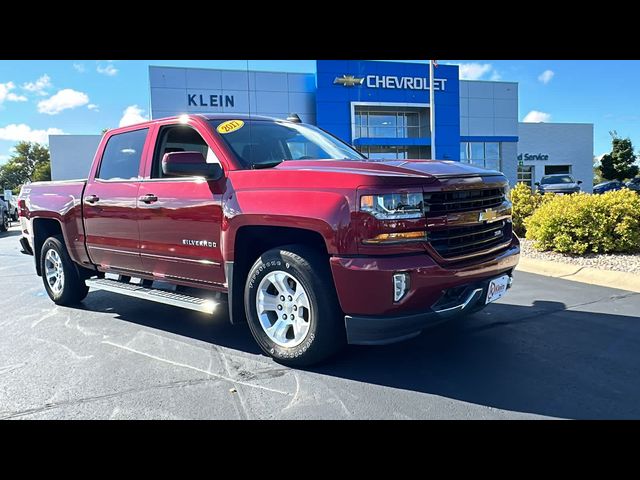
(393,206)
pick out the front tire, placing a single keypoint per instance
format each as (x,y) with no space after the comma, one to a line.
(4,222)
(292,308)
(60,275)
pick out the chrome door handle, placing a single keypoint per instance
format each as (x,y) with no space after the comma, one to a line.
(149,198)
(92,199)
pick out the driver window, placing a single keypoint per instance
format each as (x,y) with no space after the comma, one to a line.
(179,138)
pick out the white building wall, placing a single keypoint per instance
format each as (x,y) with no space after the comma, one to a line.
(274,94)
(72,155)
(564,143)
(488,108)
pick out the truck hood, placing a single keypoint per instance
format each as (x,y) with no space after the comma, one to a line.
(428,169)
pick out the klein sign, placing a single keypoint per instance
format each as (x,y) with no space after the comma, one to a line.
(391,82)
(201,100)
(533,157)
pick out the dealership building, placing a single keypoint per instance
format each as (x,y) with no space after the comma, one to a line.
(381,108)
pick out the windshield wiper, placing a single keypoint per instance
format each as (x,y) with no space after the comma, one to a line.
(257,166)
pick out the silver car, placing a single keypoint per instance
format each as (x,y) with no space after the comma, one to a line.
(560,183)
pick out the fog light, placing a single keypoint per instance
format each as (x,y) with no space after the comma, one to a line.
(400,286)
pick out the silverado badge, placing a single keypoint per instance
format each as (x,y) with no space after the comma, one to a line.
(348,81)
(199,243)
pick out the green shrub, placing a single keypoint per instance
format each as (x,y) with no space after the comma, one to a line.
(525,202)
(581,223)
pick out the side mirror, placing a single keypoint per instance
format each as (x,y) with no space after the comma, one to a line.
(579,182)
(537,184)
(190,164)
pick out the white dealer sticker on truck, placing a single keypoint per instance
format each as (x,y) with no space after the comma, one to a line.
(497,288)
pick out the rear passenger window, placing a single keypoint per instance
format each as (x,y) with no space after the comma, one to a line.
(122,155)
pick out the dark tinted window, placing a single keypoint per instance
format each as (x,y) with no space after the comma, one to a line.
(179,138)
(263,142)
(122,155)
(556,179)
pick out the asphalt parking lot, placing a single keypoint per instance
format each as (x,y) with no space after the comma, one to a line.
(550,348)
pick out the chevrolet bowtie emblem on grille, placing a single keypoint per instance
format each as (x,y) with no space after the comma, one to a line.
(348,81)
(488,215)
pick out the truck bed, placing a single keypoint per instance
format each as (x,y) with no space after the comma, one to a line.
(57,200)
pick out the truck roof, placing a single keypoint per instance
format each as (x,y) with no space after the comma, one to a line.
(207,116)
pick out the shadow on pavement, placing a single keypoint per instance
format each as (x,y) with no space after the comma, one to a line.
(540,359)
(10,233)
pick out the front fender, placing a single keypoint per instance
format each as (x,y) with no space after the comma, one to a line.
(327,213)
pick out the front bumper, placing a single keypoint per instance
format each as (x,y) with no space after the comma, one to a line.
(371,330)
(364,288)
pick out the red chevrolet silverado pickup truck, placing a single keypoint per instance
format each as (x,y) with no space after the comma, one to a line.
(311,243)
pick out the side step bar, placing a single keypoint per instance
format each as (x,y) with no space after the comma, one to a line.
(154,295)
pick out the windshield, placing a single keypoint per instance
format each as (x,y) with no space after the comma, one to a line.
(556,179)
(263,143)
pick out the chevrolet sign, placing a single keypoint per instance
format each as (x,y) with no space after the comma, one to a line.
(348,81)
(391,82)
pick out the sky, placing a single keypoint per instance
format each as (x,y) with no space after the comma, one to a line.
(44,97)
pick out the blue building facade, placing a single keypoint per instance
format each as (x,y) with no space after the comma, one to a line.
(383,107)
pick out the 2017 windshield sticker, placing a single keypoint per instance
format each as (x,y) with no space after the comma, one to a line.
(230,126)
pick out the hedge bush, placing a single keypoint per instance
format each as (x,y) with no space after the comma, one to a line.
(525,202)
(582,223)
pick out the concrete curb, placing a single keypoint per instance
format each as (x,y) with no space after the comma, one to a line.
(576,273)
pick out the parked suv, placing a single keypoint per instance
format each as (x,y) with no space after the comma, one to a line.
(4,216)
(609,186)
(559,183)
(634,184)
(12,207)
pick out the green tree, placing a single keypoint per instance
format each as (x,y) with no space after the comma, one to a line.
(29,163)
(619,164)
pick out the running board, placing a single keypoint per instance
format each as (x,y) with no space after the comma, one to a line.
(154,295)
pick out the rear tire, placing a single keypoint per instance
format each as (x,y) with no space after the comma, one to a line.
(299,322)
(60,275)
(4,222)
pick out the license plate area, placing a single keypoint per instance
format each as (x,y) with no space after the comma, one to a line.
(497,288)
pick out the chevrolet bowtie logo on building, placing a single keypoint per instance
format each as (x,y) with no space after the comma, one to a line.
(348,81)
(488,215)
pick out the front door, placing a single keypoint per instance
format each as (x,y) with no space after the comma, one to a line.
(110,201)
(180,218)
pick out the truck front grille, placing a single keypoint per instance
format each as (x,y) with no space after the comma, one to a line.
(469,240)
(436,203)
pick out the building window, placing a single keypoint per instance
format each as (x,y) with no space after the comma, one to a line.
(556,169)
(377,152)
(391,122)
(482,154)
(526,175)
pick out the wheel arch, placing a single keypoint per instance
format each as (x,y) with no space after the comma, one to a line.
(253,240)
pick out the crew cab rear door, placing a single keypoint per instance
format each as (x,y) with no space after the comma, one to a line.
(180,217)
(110,200)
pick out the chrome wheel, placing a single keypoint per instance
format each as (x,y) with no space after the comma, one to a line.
(53,271)
(283,309)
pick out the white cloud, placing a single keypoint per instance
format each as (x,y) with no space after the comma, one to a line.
(495,76)
(107,69)
(63,100)
(22,132)
(79,67)
(474,71)
(39,85)
(132,115)
(546,76)
(534,116)
(93,106)
(7,95)
(12,97)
